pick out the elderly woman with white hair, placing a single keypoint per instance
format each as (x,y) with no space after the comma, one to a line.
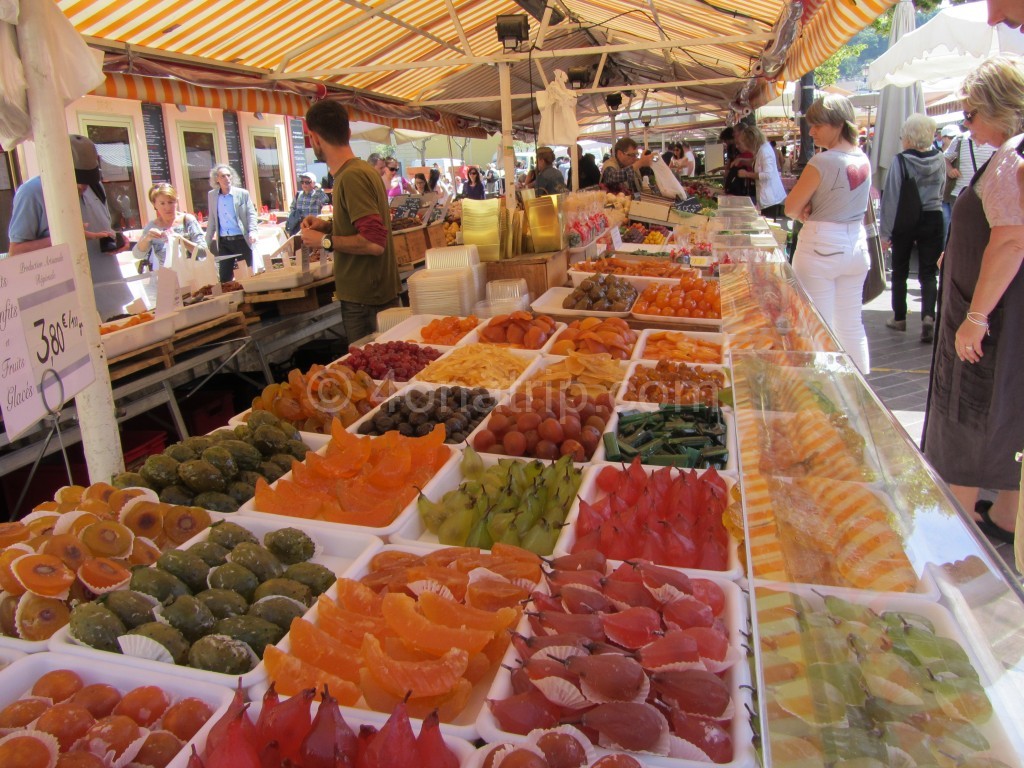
(923,163)
(232,223)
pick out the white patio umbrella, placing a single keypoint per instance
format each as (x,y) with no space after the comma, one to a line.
(895,103)
(944,49)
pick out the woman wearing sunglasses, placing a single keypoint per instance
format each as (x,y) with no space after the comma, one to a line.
(395,183)
(974,421)
(473,186)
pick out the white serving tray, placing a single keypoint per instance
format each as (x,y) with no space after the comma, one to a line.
(728,417)
(548,360)
(737,677)
(409,330)
(421,386)
(666,321)
(531,356)
(474,337)
(277,280)
(18,679)
(715,338)
(550,303)
(338,548)
(208,309)
(122,342)
(621,401)
(590,493)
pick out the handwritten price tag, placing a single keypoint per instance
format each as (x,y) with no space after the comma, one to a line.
(43,355)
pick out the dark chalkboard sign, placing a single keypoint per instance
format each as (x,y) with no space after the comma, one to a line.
(407,208)
(156,142)
(298,146)
(689,205)
(234,142)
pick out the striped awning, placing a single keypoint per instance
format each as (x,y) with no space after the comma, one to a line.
(166,91)
(827,30)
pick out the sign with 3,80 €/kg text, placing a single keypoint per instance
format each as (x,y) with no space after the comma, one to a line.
(44,360)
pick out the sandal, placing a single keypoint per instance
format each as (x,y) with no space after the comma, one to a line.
(989,528)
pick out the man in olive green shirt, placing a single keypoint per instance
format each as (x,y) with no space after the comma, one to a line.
(365,271)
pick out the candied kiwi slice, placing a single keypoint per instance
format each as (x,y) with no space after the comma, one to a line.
(191,569)
(290,545)
(96,626)
(229,535)
(224,603)
(258,559)
(182,523)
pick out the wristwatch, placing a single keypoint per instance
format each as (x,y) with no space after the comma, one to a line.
(327,244)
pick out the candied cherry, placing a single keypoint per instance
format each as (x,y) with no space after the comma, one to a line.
(144,704)
(99,698)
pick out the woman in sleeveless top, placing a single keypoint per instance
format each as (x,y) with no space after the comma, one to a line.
(974,423)
(830,198)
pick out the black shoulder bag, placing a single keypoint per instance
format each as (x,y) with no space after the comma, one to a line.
(908,209)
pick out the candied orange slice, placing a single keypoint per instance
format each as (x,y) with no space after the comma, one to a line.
(386,579)
(295,501)
(449,705)
(8,583)
(419,632)
(452,614)
(364,504)
(305,477)
(314,646)
(12,533)
(509,552)
(336,470)
(68,548)
(443,558)
(37,618)
(145,518)
(415,678)
(182,523)
(43,575)
(144,552)
(392,472)
(348,626)
(358,598)
(108,539)
(392,558)
(292,675)
(492,595)
(99,491)
(101,575)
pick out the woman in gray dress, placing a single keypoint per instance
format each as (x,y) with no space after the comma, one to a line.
(974,422)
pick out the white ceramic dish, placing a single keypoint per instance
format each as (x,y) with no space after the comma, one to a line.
(715,338)
(665,321)
(731,439)
(314,440)
(384,532)
(550,303)
(9,655)
(339,549)
(117,343)
(277,280)
(410,330)
(590,493)
(208,309)
(737,677)
(17,645)
(18,679)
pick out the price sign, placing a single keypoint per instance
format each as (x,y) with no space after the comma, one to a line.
(616,239)
(689,205)
(700,261)
(44,360)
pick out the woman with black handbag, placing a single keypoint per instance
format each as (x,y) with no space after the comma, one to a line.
(912,215)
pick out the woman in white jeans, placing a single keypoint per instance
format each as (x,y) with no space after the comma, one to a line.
(830,198)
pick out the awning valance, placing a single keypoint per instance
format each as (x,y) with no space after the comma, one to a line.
(831,26)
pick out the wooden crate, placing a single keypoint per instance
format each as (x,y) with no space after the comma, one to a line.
(435,236)
(410,246)
(231,325)
(540,270)
(292,301)
(159,355)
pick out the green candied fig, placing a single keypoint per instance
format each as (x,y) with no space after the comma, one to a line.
(290,430)
(271,471)
(188,567)
(290,545)
(224,603)
(240,492)
(223,460)
(160,470)
(243,432)
(132,608)
(96,626)
(176,494)
(223,654)
(259,560)
(130,480)
(287,587)
(315,576)
(249,477)
(284,461)
(198,444)
(255,632)
(190,616)
(297,448)
(247,457)
(209,552)
(235,577)
(157,582)
(229,535)
(201,476)
(216,501)
(268,440)
(221,434)
(257,419)
(278,609)
(169,637)
(180,452)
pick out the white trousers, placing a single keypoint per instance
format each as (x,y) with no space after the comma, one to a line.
(831,262)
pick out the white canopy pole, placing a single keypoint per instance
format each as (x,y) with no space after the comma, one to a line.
(508,153)
(95,404)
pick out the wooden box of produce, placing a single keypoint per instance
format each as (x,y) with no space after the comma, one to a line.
(410,246)
(435,235)
(540,270)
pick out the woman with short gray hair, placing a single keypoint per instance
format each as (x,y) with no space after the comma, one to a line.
(924,164)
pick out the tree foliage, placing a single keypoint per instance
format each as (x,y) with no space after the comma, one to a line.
(828,72)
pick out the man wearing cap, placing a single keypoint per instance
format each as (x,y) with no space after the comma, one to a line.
(309,202)
(963,159)
(29,229)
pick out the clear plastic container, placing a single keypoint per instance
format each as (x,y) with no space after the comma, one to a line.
(492,307)
(453,257)
(389,318)
(507,289)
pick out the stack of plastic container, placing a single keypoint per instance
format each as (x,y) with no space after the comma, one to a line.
(389,318)
(503,296)
(442,291)
(456,257)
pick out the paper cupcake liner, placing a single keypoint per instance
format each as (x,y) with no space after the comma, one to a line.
(142,647)
(49,741)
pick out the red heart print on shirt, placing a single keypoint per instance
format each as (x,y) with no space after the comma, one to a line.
(857,174)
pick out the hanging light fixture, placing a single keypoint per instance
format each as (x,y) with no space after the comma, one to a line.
(578,77)
(513,29)
(614,101)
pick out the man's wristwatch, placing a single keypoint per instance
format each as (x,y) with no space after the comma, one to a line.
(327,244)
